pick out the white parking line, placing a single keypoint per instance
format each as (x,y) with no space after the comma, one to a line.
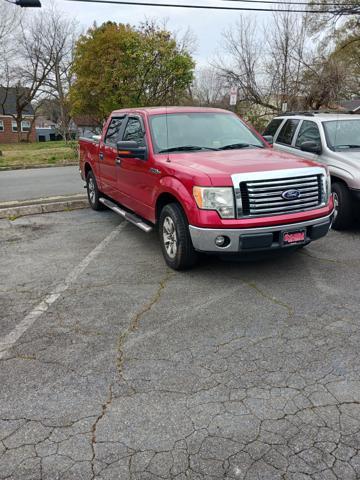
(9,340)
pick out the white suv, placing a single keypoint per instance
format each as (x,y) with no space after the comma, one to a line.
(329,138)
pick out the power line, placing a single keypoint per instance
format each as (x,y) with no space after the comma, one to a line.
(205,7)
(324,4)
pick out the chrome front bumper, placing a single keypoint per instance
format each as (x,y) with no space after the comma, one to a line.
(203,239)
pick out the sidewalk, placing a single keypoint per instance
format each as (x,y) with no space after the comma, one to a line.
(32,191)
(18,185)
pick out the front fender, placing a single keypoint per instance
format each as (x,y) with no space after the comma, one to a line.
(343,174)
(182,193)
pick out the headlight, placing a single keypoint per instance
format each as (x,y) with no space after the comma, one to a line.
(326,186)
(220,199)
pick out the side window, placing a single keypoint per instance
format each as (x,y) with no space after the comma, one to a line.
(134,131)
(114,130)
(309,131)
(271,129)
(287,132)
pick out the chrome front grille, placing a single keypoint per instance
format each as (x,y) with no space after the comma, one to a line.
(264,196)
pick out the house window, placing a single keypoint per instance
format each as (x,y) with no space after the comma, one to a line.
(25,126)
(14,126)
(1,125)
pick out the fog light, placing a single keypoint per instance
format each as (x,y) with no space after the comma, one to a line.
(219,241)
(222,241)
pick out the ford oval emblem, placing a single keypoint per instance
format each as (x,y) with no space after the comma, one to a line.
(291,194)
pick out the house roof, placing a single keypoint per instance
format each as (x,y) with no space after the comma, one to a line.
(353,104)
(85,121)
(8,102)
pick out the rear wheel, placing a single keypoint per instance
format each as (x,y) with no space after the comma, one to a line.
(93,192)
(175,239)
(343,216)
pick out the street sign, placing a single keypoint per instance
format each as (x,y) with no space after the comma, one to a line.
(233,95)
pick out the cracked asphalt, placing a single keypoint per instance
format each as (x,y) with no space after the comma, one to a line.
(244,370)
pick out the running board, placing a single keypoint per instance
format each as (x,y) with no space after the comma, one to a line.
(130,217)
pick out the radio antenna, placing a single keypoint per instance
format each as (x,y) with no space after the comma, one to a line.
(167,130)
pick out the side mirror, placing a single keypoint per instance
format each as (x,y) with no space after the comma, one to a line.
(311,147)
(269,139)
(130,149)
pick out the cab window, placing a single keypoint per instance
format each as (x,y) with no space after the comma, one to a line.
(271,129)
(134,131)
(287,132)
(113,133)
(309,131)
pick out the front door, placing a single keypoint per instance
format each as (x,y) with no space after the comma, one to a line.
(308,132)
(135,180)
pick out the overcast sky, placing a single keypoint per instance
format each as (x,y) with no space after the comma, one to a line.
(207,25)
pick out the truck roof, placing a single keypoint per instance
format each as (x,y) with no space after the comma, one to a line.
(164,110)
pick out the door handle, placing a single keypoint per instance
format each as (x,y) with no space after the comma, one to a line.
(101,156)
(118,160)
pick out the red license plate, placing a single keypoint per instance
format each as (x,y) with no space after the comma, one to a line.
(290,238)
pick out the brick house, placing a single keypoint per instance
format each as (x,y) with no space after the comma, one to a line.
(8,126)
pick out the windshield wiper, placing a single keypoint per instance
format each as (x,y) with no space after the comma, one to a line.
(234,146)
(184,148)
(347,146)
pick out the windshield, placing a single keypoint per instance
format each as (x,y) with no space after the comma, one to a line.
(181,132)
(342,134)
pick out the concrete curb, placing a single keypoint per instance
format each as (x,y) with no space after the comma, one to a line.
(29,167)
(43,205)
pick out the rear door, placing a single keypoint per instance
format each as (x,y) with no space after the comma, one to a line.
(108,155)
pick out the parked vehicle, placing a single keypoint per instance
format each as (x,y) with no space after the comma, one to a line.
(332,139)
(206,180)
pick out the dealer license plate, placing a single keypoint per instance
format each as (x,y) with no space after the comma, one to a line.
(294,237)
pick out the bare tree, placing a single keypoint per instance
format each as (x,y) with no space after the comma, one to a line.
(56,85)
(208,88)
(286,45)
(340,9)
(323,79)
(9,20)
(41,67)
(9,23)
(243,65)
(282,66)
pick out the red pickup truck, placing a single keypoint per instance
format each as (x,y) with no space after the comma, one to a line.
(206,180)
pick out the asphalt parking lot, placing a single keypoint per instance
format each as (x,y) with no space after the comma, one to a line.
(115,367)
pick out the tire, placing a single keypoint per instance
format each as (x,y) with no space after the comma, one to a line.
(176,245)
(343,216)
(93,192)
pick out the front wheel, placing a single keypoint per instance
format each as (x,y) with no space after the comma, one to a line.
(175,238)
(343,216)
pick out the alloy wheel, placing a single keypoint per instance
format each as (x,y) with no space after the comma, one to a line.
(336,205)
(170,237)
(91,190)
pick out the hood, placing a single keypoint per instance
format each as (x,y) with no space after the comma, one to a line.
(220,165)
(348,157)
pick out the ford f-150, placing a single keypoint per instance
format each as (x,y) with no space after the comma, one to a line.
(206,180)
